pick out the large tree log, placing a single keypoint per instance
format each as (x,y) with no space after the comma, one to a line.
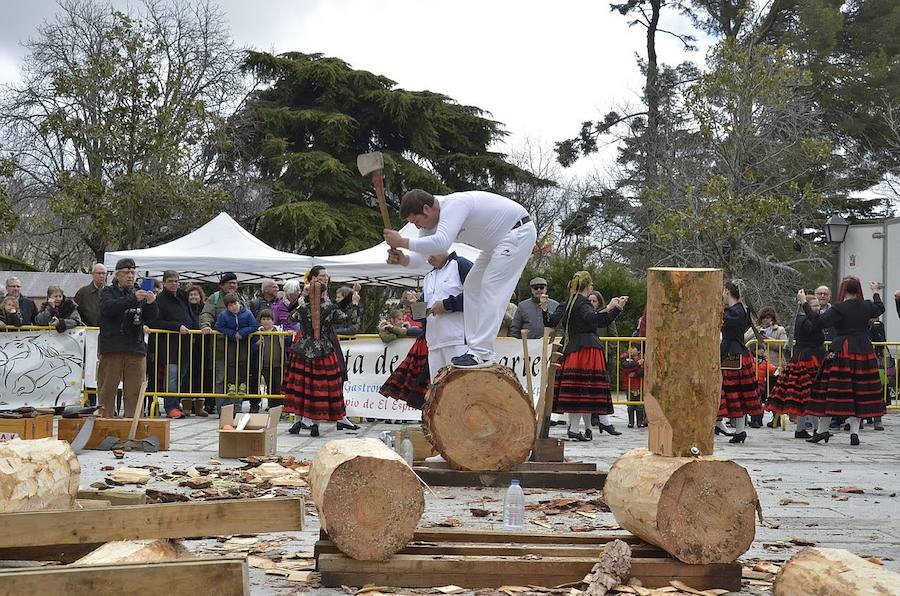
(817,571)
(682,380)
(37,474)
(369,500)
(479,419)
(699,510)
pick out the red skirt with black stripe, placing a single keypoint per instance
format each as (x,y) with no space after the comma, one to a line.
(410,380)
(793,388)
(582,385)
(313,387)
(740,391)
(847,385)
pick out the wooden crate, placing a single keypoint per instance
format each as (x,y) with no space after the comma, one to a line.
(116,427)
(472,558)
(39,427)
(529,474)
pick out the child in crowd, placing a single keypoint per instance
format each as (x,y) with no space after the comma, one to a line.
(10,315)
(271,352)
(395,327)
(633,375)
(59,312)
(237,323)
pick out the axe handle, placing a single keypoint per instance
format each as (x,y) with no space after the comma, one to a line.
(378,181)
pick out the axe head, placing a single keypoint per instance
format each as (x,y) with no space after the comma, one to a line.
(370,163)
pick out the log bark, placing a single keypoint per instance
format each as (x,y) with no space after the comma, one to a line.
(682,377)
(136,551)
(479,419)
(816,571)
(37,474)
(699,510)
(369,500)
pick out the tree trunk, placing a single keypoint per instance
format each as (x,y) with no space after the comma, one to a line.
(37,474)
(815,571)
(369,500)
(682,378)
(479,419)
(699,510)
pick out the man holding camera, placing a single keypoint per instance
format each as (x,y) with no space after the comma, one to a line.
(121,347)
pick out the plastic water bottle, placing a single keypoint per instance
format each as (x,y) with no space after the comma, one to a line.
(514,508)
(406,450)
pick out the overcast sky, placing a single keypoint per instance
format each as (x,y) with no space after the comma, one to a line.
(539,67)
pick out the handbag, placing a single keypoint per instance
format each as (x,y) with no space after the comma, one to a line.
(731,362)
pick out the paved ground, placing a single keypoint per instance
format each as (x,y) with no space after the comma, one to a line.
(796,482)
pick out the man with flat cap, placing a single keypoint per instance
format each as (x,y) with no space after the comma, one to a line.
(121,348)
(529,314)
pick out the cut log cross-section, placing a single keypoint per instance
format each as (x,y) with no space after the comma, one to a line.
(37,474)
(369,499)
(815,571)
(479,419)
(699,510)
(682,379)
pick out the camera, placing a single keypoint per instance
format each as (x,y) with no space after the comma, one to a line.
(133,315)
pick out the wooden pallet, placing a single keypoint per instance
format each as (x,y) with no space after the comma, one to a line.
(490,558)
(529,474)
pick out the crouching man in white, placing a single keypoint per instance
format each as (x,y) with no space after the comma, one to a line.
(442,292)
(499,227)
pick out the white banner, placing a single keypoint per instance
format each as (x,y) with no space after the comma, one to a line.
(41,368)
(371,361)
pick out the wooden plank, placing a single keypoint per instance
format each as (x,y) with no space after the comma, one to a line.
(224,576)
(488,536)
(528,479)
(167,520)
(528,466)
(116,427)
(415,571)
(505,550)
(64,553)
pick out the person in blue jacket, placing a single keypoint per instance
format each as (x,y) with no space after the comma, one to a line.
(237,324)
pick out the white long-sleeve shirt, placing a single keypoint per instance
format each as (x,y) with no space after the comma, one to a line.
(477,218)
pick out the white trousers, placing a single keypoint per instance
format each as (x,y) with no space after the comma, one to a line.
(490,284)
(438,358)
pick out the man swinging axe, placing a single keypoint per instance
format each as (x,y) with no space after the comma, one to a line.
(499,227)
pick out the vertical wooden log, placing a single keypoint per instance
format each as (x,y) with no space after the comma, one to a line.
(682,377)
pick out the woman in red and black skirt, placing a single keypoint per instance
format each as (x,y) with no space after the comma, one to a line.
(848,383)
(794,385)
(313,383)
(582,385)
(740,392)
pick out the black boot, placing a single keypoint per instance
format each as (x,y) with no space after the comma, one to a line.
(854,439)
(738,438)
(755,421)
(819,437)
(802,434)
(314,430)
(630,416)
(719,431)
(610,429)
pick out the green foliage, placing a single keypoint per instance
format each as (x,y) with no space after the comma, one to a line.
(307,126)
(8,218)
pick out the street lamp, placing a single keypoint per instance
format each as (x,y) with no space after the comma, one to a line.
(835,232)
(836,229)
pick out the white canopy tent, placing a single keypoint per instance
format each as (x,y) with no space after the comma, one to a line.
(369,266)
(219,245)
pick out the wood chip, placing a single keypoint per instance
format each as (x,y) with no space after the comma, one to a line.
(449,522)
(261,562)
(450,589)
(126,475)
(875,560)
(748,573)
(802,542)
(760,583)
(686,588)
(792,502)
(477,512)
(767,567)
(587,515)
(852,490)
(299,576)
(512,589)
(541,524)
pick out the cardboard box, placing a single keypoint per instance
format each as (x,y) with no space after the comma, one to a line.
(39,427)
(116,427)
(421,447)
(259,437)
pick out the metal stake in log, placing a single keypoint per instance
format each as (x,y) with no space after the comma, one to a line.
(372,164)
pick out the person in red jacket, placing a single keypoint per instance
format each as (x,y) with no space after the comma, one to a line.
(633,376)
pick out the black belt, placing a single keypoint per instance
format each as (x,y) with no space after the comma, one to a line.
(522,222)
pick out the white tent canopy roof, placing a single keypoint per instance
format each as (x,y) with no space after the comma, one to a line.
(218,246)
(370,265)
